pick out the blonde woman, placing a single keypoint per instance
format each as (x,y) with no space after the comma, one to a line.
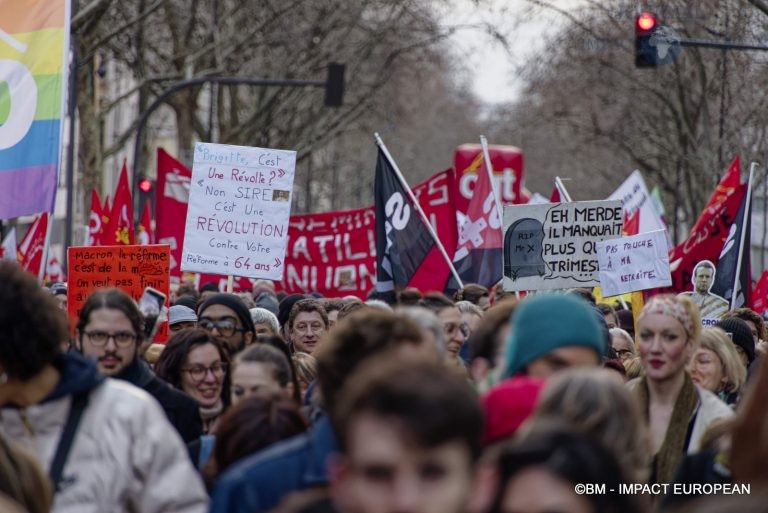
(716,366)
(676,411)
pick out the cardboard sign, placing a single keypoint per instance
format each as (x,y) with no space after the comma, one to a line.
(128,268)
(554,246)
(239,209)
(633,263)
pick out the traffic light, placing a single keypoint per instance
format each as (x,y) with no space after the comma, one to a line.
(334,85)
(645,54)
(145,185)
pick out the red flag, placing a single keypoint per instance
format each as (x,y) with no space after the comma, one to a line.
(706,243)
(173,180)
(106,208)
(478,253)
(727,186)
(96,224)
(32,246)
(760,294)
(631,223)
(120,229)
(145,235)
(555,196)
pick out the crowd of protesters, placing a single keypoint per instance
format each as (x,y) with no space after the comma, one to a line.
(480,403)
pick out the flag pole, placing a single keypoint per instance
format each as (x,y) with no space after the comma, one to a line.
(489,168)
(416,205)
(563,191)
(46,249)
(744,223)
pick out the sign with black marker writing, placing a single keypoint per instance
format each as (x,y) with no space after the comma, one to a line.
(239,210)
(553,246)
(637,262)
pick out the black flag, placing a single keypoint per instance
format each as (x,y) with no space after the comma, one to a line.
(402,240)
(734,251)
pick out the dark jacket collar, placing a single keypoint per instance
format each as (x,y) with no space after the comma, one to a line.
(78,374)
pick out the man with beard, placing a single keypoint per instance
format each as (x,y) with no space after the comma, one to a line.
(227,317)
(110,330)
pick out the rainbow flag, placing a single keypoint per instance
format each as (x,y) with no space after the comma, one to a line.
(34,41)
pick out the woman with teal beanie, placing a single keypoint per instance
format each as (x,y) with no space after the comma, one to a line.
(552,332)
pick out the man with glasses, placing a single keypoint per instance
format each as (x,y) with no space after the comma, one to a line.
(455,329)
(307,323)
(227,317)
(110,331)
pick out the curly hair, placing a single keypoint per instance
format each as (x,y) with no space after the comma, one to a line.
(174,357)
(33,325)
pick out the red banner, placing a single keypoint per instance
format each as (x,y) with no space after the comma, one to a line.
(173,179)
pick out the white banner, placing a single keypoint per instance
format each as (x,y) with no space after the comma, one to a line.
(239,210)
(553,246)
(637,262)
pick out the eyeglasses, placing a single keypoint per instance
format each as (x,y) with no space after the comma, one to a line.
(121,338)
(226,327)
(197,372)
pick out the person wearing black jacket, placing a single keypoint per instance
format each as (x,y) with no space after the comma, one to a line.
(110,331)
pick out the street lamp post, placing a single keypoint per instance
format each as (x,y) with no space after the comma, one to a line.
(334,93)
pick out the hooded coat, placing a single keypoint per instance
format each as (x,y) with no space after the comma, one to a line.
(125,456)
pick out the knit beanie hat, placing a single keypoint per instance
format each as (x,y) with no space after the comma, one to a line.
(508,405)
(233,302)
(285,307)
(544,323)
(740,335)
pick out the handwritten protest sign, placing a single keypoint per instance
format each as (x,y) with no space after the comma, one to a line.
(129,268)
(553,246)
(239,208)
(634,263)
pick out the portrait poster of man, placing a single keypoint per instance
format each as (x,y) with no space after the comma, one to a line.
(711,306)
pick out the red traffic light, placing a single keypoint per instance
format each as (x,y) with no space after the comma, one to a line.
(145,185)
(646,22)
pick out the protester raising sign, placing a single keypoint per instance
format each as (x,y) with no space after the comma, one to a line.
(634,263)
(129,268)
(553,246)
(239,207)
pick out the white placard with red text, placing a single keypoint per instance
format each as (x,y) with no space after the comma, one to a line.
(239,211)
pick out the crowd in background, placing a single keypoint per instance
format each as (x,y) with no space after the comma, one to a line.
(481,402)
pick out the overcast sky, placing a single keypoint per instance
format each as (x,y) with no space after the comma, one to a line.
(492,65)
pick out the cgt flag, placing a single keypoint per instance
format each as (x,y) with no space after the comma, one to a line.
(478,257)
(402,240)
(733,272)
(32,246)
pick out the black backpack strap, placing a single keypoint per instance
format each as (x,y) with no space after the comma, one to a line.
(79,403)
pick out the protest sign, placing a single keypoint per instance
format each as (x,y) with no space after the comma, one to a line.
(553,246)
(634,263)
(239,208)
(128,268)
